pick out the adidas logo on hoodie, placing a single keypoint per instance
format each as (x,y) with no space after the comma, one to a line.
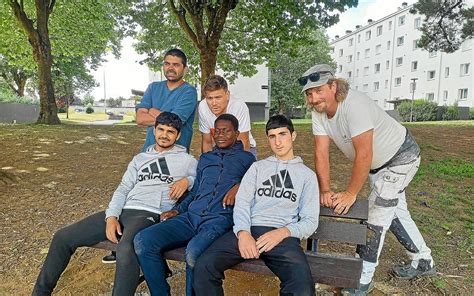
(156,170)
(278,186)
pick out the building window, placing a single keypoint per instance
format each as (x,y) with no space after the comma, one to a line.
(340,68)
(464,69)
(358,38)
(377,68)
(398,81)
(462,94)
(366,71)
(401,20)
(417,23)
(445,95)
(358,55)
(376,86)
(349,74)
(365,87)
(388,45)
(379,30)
(368,34)
(387,64)
(349,58)
(433,53)
(431,75)
(341,52)
(400,40)
(399,61)
(389,25)
(351,41)
(415,44)
(377,49)
(386,83)
(357,73)
(430,96)
(414,66)
(446,72)
(367,53)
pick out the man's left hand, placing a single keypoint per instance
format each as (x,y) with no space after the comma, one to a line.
(178,188)
(343,201)
(229,198)
(269,240)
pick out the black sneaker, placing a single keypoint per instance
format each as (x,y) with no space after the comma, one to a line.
(109,259)
(409,272)
(363,290)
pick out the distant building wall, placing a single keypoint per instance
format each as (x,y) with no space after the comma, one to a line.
(19,113)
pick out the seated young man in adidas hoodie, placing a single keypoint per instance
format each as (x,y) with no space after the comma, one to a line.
(154,180)
(204,214)
(276,206)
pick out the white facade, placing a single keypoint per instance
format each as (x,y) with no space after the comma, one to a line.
(381,58)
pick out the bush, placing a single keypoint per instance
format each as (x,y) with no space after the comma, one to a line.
(89,109)
(471,114)
(422,110)
(8,96)
(451,113)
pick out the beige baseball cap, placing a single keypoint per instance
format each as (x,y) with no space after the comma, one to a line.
(316,76)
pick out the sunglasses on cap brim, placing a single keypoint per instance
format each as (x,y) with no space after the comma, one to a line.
(313,77)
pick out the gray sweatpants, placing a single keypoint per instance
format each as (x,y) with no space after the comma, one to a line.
(388,211)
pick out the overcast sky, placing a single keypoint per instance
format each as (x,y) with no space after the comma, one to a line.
(126,73)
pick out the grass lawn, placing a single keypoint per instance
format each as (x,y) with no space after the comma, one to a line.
(83,117)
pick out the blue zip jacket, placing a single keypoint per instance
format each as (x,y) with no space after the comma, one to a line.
(217,172)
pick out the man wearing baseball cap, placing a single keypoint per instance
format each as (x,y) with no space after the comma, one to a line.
(383,151)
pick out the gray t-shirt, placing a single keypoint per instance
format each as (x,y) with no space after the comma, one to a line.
(356,115)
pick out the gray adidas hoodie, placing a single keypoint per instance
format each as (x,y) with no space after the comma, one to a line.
(145,184)
(277,193)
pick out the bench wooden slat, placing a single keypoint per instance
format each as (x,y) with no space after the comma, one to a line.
(341,232)
(359,210)
(335,270)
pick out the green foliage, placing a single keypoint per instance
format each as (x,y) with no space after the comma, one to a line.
(88,99)
(451,113)
(8,96)
(471,113)
(446,24)
(291,63)
(253,32)
(422,110)
(89,109)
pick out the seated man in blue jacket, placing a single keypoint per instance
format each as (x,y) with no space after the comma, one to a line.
(275,207)
(205,213)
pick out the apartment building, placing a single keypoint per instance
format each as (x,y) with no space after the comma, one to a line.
(381,58)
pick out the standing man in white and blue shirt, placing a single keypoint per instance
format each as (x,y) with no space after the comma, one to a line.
(217,102)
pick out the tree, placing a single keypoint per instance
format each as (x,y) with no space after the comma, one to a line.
(446,24)
(82,29)
(291,64)
(14,76)
(232,35)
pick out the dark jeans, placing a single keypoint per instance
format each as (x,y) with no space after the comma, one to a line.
(286,260)
(174,233)
(90,231)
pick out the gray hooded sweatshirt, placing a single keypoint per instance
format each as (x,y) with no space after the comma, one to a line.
(277,193)
(145,184)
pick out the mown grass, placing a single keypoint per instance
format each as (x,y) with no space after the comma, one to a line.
(82,117)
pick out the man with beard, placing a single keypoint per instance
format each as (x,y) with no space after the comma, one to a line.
(383,151)
(172,95)
(154,181)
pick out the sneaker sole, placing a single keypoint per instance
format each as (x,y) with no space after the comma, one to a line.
(108,262)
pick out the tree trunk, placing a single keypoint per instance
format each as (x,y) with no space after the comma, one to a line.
(42,53)
(20,80)
(208,59)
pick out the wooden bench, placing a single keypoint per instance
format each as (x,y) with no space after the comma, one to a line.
(334,269)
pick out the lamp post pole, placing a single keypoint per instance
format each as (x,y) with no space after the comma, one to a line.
(413,87)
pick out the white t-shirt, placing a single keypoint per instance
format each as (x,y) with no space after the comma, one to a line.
(236,107)
(358,114)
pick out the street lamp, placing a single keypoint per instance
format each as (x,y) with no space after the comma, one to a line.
(413,87)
